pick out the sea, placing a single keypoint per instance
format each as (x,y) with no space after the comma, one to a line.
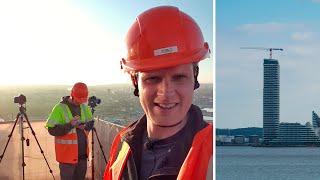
(267,163)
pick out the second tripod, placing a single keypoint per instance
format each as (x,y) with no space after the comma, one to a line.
(93,101)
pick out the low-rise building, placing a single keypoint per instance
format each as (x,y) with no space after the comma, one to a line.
(296,134)
(254,139)
(239,139)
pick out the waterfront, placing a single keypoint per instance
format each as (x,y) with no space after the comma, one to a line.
(259,163)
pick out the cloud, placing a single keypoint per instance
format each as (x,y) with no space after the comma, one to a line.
(304,50)
(302,36)
(262,28)
(270,27)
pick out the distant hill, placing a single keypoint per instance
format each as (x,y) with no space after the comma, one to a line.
(118,105)
(241,131)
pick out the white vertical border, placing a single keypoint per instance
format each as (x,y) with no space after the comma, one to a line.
(213,50)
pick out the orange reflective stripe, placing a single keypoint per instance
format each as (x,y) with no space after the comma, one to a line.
(118,166)
(115,145)
(195,165)
(112,155)
(63,141)
(209,174)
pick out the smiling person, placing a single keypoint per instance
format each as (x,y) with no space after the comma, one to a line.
(171,141)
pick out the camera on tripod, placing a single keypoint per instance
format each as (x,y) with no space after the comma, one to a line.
(21,99)
(93,101)
(21,118)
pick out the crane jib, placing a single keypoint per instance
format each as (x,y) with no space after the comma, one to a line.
(263,48)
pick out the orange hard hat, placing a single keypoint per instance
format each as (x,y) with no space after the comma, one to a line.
(79,92)
(163,37)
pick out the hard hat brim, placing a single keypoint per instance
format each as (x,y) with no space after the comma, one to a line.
(164,61)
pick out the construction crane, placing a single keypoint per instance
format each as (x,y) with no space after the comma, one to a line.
(266,49)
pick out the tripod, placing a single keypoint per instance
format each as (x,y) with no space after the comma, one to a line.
(94,131)
(20,116)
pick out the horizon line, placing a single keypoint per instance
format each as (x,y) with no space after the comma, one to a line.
(67,84)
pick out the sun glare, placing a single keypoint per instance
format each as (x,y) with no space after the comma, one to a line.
(53,42)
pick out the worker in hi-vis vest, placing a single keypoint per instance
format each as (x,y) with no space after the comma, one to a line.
(70,122)
(171,141)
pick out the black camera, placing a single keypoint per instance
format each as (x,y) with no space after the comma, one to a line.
(93,101)
(21,99)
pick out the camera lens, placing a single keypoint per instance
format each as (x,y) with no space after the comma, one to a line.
(21,99)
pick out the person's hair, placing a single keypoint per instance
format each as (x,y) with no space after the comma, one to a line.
(135,75)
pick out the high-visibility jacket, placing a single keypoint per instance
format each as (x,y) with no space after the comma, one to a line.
(195,165)
(66,146)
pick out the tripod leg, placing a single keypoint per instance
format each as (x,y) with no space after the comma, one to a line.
(22,144)
(92,155)
(35,137)
(9,136)
(101,148)
(92,147)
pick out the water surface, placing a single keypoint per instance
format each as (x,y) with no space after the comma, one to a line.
(258,163)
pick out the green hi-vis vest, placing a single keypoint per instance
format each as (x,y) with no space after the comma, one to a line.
(61,114)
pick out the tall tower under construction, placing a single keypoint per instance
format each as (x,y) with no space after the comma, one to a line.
(271,99)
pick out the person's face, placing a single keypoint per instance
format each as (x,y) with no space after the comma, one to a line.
(75,101)
(166,95)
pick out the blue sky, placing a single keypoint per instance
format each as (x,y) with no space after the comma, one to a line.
(289,24)
(61,42)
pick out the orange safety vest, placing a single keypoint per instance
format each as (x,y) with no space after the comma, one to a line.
(195,166)
(66,146)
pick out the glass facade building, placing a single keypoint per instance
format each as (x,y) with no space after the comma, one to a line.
(296,134)
(271,101)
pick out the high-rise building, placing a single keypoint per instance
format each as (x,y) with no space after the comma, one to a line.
(271,99)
